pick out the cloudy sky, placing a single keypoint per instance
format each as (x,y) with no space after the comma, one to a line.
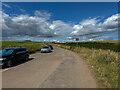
(62,22)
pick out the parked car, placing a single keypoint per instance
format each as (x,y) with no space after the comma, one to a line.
(9,56)
(45,49)
(51,47)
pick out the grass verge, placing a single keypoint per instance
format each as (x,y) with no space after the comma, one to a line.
(103,62)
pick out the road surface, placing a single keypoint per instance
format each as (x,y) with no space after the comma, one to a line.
(58,69)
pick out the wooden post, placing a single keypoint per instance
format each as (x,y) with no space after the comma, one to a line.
(77,39)
(108,56)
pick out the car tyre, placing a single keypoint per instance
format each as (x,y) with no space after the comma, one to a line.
(9,63)
(27,57)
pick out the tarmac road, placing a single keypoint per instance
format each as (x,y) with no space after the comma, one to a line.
(58,69)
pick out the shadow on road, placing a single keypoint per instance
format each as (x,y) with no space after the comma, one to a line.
(19,63)
(47,52)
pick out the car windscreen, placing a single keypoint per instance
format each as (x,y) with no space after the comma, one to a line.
(6,51)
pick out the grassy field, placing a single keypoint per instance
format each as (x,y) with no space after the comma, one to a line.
(102,58)
(105,41)
(31,46)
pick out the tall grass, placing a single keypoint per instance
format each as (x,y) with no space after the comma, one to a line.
(104,63)
(31,46)
(96,45)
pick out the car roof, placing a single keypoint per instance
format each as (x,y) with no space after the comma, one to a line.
(46,46)
(16,48)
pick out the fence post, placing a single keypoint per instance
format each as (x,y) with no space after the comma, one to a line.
(108,56)
(77,47)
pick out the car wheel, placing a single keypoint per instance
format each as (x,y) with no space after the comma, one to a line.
(9,63)
(27,57)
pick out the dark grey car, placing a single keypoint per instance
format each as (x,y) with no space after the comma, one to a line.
(9,56)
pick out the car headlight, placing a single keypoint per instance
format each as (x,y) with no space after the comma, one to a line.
(1,59)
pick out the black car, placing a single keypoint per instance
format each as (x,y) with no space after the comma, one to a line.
(9,56)
(50,46)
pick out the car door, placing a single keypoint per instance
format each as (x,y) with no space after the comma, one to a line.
(18,55)
(23,53)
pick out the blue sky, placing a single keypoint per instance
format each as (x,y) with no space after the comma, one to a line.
(67,12)
(69,16)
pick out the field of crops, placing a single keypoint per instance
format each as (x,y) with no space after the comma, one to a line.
(113,46)
(31,46)
(102,58)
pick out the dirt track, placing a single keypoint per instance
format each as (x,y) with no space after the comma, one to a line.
(58,69)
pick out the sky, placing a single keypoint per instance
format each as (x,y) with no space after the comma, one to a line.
(60,21)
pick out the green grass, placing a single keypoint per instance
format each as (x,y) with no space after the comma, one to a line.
(96,45)
(104,67)
(31,46)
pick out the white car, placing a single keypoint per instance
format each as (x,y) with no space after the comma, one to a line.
(45,49)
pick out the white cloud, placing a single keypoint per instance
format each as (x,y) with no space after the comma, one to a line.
(61,28)
(92,27)
(77,27)
(111,22)
(87,22)
(33,26)
(69,38)
(22,10)
(39,26)
(42,14)
(6,5)
(25,25)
